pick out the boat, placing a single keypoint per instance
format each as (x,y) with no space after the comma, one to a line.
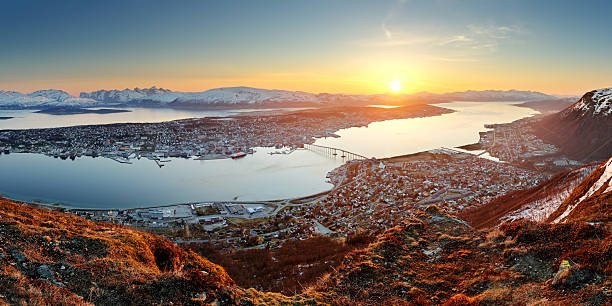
(238,155)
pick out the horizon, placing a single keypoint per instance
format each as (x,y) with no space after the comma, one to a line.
(389,93)
(359,48)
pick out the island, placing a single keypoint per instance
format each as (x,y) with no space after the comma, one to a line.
(6,118)
(78,110)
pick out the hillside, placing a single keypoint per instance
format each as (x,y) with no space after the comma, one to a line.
(52,258)
(581,194)
(437,259)
(583,131)
(432,258)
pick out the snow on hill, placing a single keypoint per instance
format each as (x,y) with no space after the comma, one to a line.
(249,95)
(42,99)
(581,194)
(240,96)
(539,206)
(595,103)
(588,200)
(127,95)
(228,95)
(582,131)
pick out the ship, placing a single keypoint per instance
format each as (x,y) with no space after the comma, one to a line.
(238,155)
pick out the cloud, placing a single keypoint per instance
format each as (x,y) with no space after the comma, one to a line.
(456,39)
(482,37)
(451,59)
(386,30)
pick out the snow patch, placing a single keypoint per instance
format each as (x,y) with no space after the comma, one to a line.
(540,210)
(599,104)
(603,179)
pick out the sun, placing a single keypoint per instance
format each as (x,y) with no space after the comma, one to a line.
(396,85)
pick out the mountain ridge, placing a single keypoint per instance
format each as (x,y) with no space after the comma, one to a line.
(583,131)
(241,96)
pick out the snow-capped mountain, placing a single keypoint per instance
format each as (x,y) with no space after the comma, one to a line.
(42,99)
(240,96)
(257,96)
(217,96)
(136,94)
(596,103)
(583,130)
(246,95)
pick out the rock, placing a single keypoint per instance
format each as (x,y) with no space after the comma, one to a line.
(574,277)
(45,272)
(530,266)
(18,257)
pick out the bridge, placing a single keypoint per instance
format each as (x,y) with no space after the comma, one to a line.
(334,152)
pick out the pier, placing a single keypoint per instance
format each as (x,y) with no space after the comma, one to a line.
(334,152)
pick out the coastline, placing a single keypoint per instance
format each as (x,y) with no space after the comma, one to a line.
(296,200)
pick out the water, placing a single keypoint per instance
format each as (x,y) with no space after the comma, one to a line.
(28,119)
(403,136)
(104,183)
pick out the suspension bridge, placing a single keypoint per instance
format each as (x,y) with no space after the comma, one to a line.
(334,152)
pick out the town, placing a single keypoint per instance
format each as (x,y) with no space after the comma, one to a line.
(201,138)
(517,143)
(368,196)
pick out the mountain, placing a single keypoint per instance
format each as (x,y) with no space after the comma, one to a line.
(230,96)
(42,99)
(581,194)
(583,131)
(256,96)
(484,96)
(550,106)
(128,95)
(240,97)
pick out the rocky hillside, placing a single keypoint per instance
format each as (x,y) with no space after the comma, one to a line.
(438,259)
(49,258)
(583,131)
(433,258)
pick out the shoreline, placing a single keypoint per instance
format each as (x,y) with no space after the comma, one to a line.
(295,200)
(77,207)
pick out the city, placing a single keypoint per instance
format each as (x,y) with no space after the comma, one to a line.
(368,196)
(204,138)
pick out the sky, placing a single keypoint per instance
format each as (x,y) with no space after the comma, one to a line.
(556,47)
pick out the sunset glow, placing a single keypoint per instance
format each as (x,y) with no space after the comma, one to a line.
(396,85)
(351,50)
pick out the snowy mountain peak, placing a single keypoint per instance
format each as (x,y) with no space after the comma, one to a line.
(595,103)
(128,95)
(42,99)
(52,94)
